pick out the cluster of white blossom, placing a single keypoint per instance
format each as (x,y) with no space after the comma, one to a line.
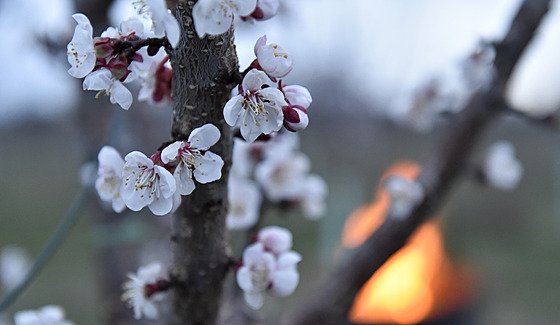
(159,181)
(276,169)
(122,55)
(266,162)
(263,104)
(269,265)
(48,315)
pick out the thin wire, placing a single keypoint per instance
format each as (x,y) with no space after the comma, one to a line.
(57,237)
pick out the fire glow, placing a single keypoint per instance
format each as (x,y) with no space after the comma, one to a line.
(418,283)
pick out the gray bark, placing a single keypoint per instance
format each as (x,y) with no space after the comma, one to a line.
(201,70)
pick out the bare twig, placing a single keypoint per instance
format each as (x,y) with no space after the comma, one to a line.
(331,303)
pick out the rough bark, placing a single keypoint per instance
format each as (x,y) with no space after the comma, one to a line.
(201,70)
(331,303)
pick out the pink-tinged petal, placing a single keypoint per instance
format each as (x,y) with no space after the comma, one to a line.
(183,177)
(284,282)
(295,119)
(204,137)
(254,80)
(259,43)
(274,95)
(171,152)
(242,7)
(121,95)
(212,17)
(275,239)
(209,168)
(98,80)
(167,184)
(232,110)
(172,29)
(161,206)
(268,9)
(298,95)
(255,300)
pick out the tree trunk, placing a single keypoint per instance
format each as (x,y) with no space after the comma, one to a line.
(201,70)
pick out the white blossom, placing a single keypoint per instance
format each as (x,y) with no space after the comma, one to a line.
(272,58)
(81,52)
(14,264)
(163,21)
(244,203)
(191,162)
(103,81)
(147,184)
(48,315)
(255,110)
(276,240)
(404,195)
(253,277)
(109,177)
(215,17)
(501,169)
(263,271)
(136,293)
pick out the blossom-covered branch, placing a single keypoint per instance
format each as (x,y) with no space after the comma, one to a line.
(331,303)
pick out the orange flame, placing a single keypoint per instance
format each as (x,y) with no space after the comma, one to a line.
(416,284)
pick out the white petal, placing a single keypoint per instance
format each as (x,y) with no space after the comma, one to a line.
(255,300)
(118,204)
(172,29)
(137,158)
(284,282)
(161,206)
(167,184)
(209,168)
(101,79)
(204,137)
(244,278)
(232,110)
(183,177)
(254,80)
(171,152)
(249,130)
(121,95)
(288,260)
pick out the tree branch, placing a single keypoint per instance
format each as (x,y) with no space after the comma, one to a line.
(201,253)
(330,305)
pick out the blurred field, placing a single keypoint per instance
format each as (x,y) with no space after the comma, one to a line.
(510,240)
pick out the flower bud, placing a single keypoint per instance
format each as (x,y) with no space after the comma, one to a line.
(103,47)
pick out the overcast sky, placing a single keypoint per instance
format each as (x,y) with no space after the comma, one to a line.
(381,48)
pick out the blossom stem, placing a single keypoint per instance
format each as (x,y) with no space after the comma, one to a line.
(55,240)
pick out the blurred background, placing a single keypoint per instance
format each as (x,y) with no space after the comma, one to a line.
(360,60)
